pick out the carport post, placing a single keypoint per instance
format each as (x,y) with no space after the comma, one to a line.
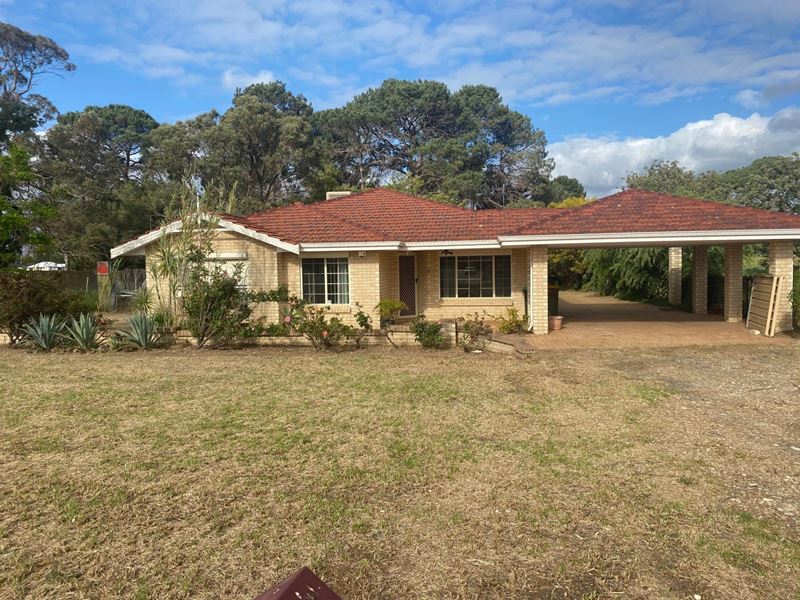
(675,275)
(537,289)
(733,283)
(781,258)
(700,280)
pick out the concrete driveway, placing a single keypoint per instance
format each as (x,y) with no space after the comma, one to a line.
(592,321)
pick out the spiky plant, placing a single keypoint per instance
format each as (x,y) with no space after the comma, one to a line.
(143,300)
(44,332)
(142,333)
(83,333)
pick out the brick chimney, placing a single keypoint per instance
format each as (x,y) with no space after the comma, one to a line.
(334,195)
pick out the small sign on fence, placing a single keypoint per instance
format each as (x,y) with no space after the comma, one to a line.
(102,267)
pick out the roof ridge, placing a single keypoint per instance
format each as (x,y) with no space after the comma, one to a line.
(382,189)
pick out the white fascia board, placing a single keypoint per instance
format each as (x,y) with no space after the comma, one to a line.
(261,237)
(135,247)
(349,246)
(454,245)
(652,238)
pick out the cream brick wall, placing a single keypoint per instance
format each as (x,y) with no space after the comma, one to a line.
(700,280)
(537,290)
(781,262)
(733,283)
(390,275)
(675,276)
(434,307)
(289,272)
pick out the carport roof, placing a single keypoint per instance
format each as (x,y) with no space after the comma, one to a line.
(638,211)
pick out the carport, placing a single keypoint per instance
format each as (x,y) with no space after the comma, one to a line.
(636,218)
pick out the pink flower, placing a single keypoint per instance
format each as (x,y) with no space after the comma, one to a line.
(287,319)
(324,334)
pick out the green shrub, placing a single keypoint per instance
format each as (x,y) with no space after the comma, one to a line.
(80,302)
(389,310)
(84,332)
(44,332)
(511,321)
(216,307)
(25,295)
(276,330)
(312,322)
(143,332)
(427,333)
(364,322)
(473,332)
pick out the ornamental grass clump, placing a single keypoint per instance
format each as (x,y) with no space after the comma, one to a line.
(43,333)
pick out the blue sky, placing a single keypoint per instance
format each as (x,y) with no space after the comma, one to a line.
(613,83)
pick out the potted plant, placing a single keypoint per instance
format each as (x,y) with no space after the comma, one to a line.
(389,310)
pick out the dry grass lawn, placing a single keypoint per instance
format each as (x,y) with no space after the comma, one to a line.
(401,473)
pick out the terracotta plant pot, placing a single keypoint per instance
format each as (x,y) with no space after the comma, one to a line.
(555,323)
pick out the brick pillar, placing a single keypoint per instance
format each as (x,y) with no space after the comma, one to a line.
(700,280)
(733,283)
(675,275)
(781,259)
(537,289)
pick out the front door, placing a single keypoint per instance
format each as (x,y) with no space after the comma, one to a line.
(408,283)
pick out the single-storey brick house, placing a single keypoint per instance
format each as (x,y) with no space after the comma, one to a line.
(446,261)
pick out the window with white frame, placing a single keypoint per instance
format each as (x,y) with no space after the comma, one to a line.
(232,265)
(326,280)
(475,276)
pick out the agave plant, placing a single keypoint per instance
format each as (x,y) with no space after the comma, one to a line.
(84,333)
(43,333)
(142,333)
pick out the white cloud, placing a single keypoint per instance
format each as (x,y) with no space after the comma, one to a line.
(721,143)
(750,99)
(236,78)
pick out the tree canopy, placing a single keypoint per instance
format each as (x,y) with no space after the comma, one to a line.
(24,59)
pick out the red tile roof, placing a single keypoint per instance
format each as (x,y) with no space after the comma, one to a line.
(383,214)
(642,211)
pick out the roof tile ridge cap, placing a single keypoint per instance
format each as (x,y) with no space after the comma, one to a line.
(558,215)
(345,220)
(430,201)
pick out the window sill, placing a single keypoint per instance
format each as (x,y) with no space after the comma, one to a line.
(476,301)
(338,309)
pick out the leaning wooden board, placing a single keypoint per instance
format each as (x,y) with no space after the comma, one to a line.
(763,296)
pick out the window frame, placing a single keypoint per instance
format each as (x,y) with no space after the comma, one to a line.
(482,257)
(328,285)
